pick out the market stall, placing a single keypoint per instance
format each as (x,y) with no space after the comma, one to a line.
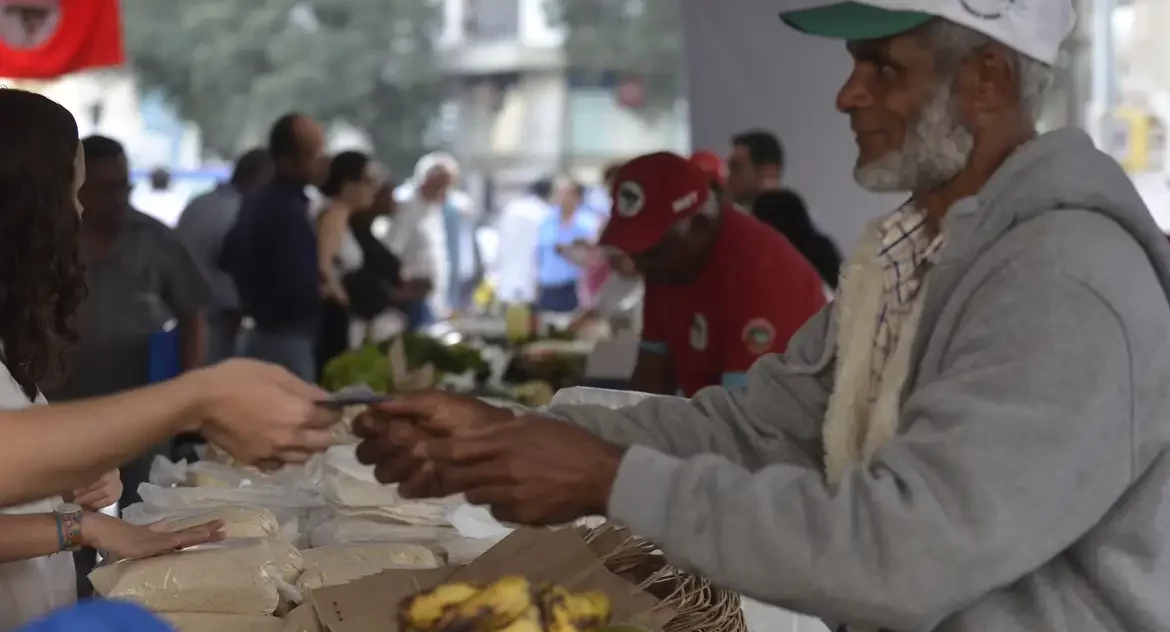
(325,547)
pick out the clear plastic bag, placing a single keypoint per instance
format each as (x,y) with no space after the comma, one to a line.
(350,486)
(166,473)
(267,496)
(239,521)
(391,554)
(248,576)
(212,622)
(288,505)
(341,529)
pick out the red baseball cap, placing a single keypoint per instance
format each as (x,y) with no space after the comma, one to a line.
(650,193)
(711,164)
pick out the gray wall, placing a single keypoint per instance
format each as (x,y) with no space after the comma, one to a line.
(747,69)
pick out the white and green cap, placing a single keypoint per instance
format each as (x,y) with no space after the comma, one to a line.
(1035,28)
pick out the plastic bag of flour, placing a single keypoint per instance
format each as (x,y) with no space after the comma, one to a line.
(396,554)
(247,576)
(336,565)
(303,618)
(348,485)
(240,521)
(339,529)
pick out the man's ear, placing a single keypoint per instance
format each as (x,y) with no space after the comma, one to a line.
(992,78)
(771,172)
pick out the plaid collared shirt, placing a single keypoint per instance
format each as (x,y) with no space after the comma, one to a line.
(905,252)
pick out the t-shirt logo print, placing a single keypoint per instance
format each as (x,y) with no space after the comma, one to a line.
(699,332)
(758,335)
(630,199)
(27,24)
(988,9)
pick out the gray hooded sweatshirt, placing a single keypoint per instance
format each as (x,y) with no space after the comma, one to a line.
(1029,486)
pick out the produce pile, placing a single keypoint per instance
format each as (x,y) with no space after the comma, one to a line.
(510,604)
(369,365)
(413,361)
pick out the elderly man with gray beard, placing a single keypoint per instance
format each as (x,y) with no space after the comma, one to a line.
(973,437)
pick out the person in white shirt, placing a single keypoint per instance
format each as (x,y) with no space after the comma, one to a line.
(514,269)
(447,217)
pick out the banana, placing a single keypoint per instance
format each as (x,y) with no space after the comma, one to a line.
(528,622)
(562,611)
(423,611)
(511,604)
(496,606)
(588,610)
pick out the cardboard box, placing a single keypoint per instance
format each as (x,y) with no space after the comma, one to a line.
(559,556)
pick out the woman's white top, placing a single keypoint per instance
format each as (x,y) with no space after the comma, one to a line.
(349,253)
(31,588)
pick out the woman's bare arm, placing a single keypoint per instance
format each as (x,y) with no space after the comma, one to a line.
(257,412)
(47,450)
(334,220)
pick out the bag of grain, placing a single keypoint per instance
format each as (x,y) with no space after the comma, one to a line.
(303,618)
(240,521)
(209,622)
(336,565)
(350,486)
(289,505)
(339,529)
(246,576)
(399,555)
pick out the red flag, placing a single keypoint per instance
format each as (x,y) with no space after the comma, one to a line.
(42,39)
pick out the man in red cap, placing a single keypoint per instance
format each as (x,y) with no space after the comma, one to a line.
(721,288)
(712,165)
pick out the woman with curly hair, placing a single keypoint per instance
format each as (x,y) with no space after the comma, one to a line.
(42,284)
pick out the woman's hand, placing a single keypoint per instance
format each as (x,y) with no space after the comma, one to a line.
(103,493)
(127,541)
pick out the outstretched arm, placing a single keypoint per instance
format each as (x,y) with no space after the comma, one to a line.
(48,449)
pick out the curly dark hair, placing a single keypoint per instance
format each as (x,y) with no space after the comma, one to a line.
(42,280)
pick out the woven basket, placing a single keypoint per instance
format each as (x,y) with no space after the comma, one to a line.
(701,607)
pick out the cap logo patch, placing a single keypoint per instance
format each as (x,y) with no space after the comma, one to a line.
(630,199)
(685,202)
(698,333)
(987,9)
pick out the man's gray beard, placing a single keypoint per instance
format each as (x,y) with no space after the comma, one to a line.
(935,151)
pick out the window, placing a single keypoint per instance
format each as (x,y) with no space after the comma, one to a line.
(491,19)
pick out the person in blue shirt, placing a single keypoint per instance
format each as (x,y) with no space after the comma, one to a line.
(99,616)
(568,226)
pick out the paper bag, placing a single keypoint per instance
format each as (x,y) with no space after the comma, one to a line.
(560,556)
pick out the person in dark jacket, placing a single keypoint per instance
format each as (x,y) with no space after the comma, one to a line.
(785,211)
(271,251)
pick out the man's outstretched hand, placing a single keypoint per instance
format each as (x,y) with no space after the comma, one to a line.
(528,469)
(395,434)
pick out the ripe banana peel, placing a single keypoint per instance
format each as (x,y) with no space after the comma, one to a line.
(511,604)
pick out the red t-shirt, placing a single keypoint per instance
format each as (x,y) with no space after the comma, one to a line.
(756,291)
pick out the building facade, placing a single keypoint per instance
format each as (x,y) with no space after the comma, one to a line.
(519,113)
